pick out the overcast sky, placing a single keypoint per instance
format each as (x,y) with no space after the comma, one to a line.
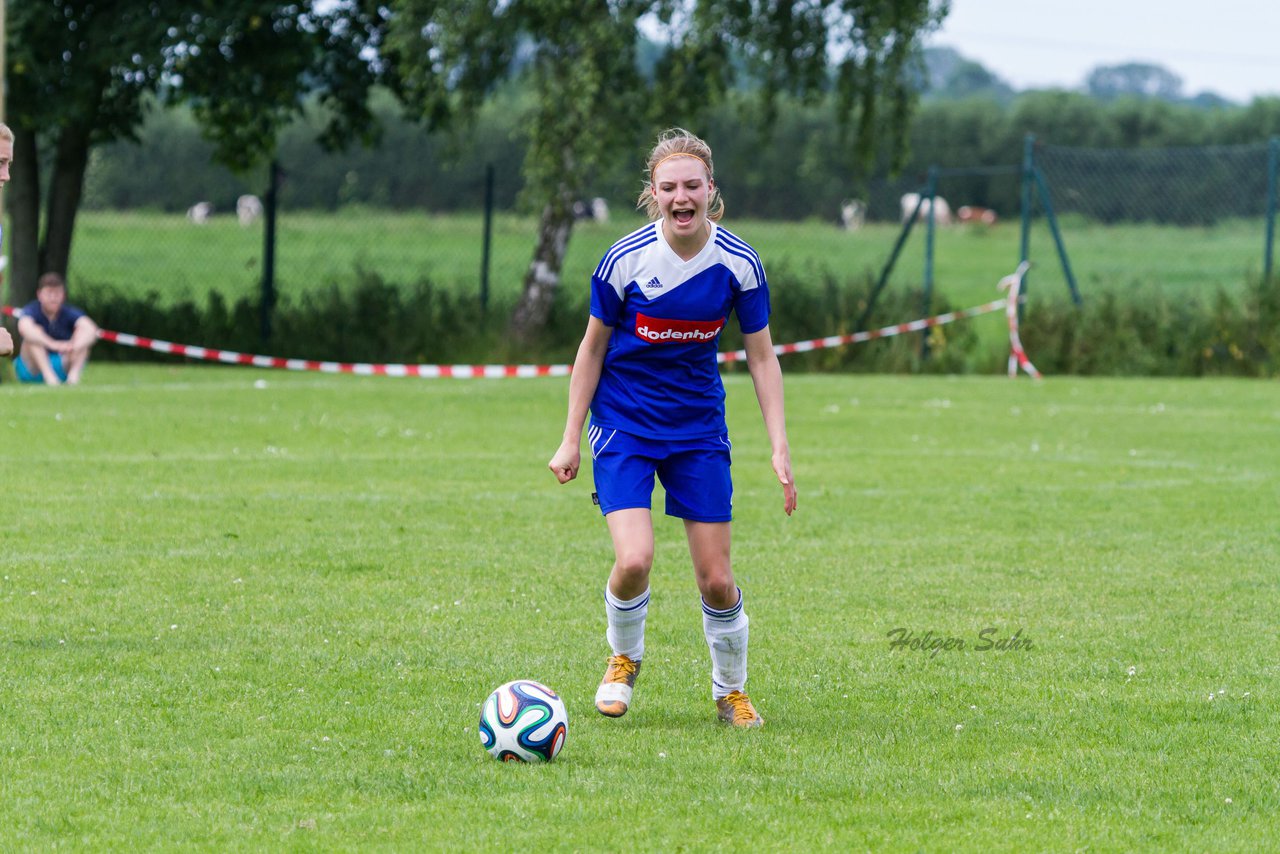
(1230,47)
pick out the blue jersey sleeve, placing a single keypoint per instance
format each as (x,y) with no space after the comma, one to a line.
(605,303)
(752,307)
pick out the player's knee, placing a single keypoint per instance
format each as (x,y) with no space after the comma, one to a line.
(718,588)
(635,563)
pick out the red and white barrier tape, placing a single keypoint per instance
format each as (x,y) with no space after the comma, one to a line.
(231,357)
(1017,356)
(859,337)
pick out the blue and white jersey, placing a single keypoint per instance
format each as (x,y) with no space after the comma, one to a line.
(660,378)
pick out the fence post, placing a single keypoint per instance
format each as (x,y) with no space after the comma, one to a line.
(269,251)
(930,230)
(865,317)
(1028,179)
(488,237)
(1273,165)
(1052,218)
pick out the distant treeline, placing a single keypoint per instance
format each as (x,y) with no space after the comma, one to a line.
(795,164)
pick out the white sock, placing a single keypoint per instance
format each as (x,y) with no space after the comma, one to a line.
(626,623)
(726,633)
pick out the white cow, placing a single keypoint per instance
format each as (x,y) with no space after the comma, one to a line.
(853,214)
(596,210)
(599,210)
(200,212)
(248,209)
(941,210)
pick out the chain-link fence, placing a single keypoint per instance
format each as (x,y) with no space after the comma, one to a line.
(233,247)
(481,251)
(1192,218)
(1189,218)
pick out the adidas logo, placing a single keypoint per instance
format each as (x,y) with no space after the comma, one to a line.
(653,283)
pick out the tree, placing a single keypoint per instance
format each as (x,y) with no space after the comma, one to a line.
(1065,118)
(84,74)
(951,76)
(580,61)
(592,104)
(79,75)
(1138,79)
(251,67)
(1260,120)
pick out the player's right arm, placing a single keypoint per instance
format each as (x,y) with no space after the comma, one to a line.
(6,342)
(582,389)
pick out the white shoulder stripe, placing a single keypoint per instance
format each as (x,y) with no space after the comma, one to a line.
(752,260)
(734,245)
(737,241)
(637,239)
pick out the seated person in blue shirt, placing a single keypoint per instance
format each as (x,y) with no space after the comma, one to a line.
(56,336)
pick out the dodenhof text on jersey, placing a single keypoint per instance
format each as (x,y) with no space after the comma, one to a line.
(661,330)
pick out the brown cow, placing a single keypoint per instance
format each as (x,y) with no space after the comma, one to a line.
(972,213)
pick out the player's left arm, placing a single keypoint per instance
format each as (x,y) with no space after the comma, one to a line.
(766,376)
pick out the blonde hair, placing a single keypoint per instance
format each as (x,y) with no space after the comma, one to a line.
(5,133)
(678,142)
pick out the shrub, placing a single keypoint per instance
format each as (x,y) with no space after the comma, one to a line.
(1149,333)
(372,322)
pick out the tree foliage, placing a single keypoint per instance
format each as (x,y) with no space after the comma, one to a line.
(84,73)
(78,75)
(249,68)
(1137,79)
(592,104)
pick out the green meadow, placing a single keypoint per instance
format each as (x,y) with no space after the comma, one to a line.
(139,253)
(248,610)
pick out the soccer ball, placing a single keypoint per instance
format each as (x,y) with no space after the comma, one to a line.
(523,721)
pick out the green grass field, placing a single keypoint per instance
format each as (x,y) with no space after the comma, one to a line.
(246,610)
(143,252)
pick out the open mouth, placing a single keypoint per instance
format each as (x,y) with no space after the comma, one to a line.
(682,217)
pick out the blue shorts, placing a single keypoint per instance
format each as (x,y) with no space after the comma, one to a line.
(27,375)
(694,472)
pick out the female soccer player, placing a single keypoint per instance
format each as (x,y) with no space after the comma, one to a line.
(646,369)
